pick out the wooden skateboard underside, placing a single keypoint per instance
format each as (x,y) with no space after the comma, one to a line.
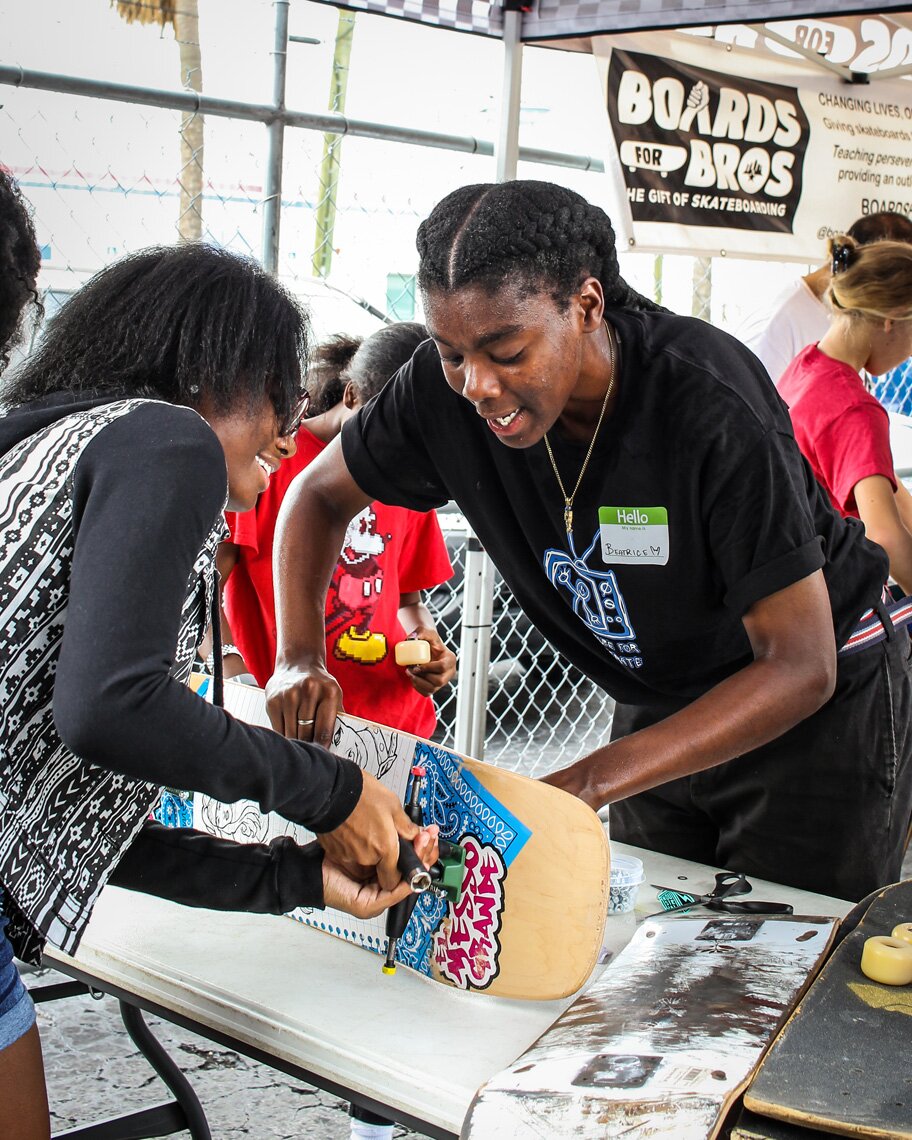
(662,1044)
(532,914)
(843,1062)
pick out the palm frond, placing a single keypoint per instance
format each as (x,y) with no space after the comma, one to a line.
(145,11)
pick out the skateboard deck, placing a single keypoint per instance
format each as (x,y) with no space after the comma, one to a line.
(663,1043)
(535,894)
(842,1062)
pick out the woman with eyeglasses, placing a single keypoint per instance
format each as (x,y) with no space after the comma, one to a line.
(841,428)
(166,389)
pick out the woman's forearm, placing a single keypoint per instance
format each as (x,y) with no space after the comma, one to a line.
(752,707)
(881,511)
(793,673)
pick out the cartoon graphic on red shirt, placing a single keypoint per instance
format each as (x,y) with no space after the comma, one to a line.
(388,552)
(354,594)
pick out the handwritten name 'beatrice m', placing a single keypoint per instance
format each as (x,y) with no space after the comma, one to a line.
(631,551)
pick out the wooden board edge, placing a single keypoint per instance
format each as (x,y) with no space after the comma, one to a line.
(584,822)
(504,989)
(582,819)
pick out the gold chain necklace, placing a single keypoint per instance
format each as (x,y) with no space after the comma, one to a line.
(568,499)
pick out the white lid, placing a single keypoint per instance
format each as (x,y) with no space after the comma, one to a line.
(626,869)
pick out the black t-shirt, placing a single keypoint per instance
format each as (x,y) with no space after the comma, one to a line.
(647,604)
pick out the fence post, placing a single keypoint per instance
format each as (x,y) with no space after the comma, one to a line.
(474,651)
(702,288)
(507,149)
(275,131)
(478,587)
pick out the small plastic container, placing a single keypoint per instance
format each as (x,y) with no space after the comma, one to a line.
(626,876)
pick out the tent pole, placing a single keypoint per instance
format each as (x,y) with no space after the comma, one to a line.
(272,195)
(478,583)
(507,149)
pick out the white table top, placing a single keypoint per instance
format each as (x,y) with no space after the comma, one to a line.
(323,1005)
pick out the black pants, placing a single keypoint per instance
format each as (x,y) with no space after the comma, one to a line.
(824,808)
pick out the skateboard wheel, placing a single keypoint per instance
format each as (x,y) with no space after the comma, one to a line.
(903,932)
(887,960)
(413,651)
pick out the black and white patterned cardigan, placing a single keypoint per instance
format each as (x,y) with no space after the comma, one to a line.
(64,822)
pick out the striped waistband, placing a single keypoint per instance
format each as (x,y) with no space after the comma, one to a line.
(871,627)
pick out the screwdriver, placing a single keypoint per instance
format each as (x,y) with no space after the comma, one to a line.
(413,871)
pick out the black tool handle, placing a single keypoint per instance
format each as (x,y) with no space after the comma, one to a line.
(749,906)
(397,916)
(408,862)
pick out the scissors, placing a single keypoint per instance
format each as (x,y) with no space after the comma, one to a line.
(720,898)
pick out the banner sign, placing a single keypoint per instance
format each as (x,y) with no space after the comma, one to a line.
(698,150)
(765,161)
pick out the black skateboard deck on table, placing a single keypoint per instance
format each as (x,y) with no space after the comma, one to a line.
(843,1062)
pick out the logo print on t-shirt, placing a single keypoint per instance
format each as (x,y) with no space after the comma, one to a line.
(596,599)
(355,592)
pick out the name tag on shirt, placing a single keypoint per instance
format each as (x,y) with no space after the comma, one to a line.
(634,536)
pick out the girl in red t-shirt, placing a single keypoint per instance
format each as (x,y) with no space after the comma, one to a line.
(390,555)
(840,427)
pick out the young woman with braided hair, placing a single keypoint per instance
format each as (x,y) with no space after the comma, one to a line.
(839,425)
(634,476)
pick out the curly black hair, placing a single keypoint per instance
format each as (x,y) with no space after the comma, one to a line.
(537,235)
(20,261)
(381,355)
(325,376)
(183,323)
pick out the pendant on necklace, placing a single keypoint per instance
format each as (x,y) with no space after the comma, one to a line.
(568,519)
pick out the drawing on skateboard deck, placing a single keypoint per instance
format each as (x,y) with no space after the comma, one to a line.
(662,1044)
(842,1061)
(535,894)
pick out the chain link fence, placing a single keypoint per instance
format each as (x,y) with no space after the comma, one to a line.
(117,165)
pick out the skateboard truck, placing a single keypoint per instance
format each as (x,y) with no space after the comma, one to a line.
(444,878)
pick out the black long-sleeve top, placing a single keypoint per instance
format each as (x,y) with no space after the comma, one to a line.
(147,493)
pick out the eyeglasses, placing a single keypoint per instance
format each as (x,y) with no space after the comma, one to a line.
(296,416)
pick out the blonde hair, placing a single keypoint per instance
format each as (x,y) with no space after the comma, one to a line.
(871,282)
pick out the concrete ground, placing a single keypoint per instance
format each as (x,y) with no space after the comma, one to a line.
(94,1071)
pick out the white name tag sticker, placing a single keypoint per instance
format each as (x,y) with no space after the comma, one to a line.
(634,536)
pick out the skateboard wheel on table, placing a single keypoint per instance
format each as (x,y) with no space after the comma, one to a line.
(887,960)
(903,932)
(413,651)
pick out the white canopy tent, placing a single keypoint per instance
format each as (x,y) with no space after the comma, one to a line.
(844,46)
